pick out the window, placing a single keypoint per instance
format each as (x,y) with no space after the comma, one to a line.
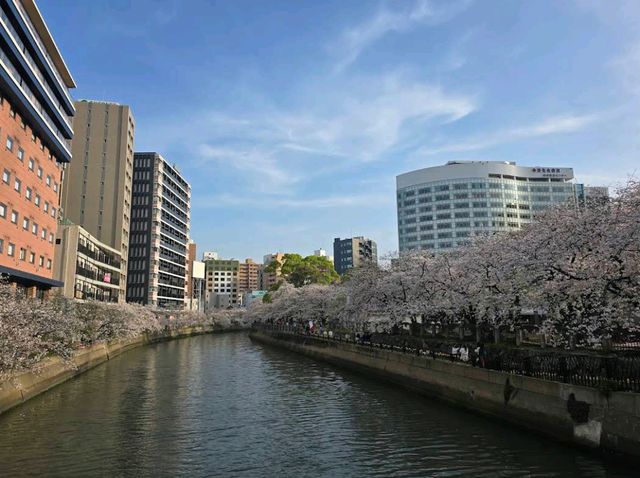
(3,210)
(9,143)
(17,185)
(39,172)
(55,186)
(21,154)
(32,164)
(43,234)
(14,217)
(34,228)
(23,253)
(11,250)
(46,206)
(6,175)
(51,237)
(48,181)
(32,258)
(53,212)
(1,246)
(25,223)
(28,193)
(41,261)
(12,112)
(37,200)
(48,263)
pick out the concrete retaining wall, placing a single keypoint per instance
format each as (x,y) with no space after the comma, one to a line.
(580,415)
(54,371)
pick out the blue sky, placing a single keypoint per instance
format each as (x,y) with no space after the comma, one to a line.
(292,118)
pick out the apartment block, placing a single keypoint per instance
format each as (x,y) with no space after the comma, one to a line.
(248,276)
(89,268)
(221,283)
(269,279)
(36,114)
(160,218)
(97,188)
(352,252)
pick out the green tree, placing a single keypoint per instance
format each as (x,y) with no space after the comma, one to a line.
(300,271)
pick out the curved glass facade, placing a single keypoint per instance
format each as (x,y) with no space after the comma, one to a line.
(445,213)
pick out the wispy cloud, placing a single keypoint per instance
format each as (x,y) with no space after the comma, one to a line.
(360,119)
(627,66)
(550,126)
(278,202)
(422,12)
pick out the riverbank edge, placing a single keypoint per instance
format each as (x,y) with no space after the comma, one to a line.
(586,417)
(54,371)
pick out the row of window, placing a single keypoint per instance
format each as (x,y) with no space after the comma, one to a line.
(24,255)
(31,164)
(482,186)
(28,193)
(27,224)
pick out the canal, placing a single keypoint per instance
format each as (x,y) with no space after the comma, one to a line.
(219,405)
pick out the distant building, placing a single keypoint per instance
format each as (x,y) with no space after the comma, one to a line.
(248,276)
(189,292)
(90,269)
(98,182)
(36,113)
(209,255)
(196,300)
(221,283)
(320,253)
(352,252)
(442,207)
(249,297)
(160,218)
(269,279)
(587,195)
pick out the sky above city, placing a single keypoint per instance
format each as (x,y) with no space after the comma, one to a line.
(291,119)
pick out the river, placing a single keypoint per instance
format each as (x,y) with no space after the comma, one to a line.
(220,405)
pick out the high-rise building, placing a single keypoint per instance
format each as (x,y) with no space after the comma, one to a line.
(269,279)
(221,283)
(36,114)
(248,276)
(97,185)
(442,207)
(160,216)
(352,252)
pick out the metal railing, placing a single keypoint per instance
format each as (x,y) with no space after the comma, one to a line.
(618,371)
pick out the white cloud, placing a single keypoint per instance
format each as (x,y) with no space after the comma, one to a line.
(277,202)
(423,12)
(549,126)
(253,161)
(627,66)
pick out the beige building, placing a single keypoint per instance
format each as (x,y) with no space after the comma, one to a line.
(269,279)
(98,182)
(89,268)
(248,276)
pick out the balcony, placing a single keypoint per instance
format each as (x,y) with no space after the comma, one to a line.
(98,276)
(99,256)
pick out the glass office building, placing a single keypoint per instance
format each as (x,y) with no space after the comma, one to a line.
(442,207)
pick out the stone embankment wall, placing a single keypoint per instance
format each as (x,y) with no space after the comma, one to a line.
(581,415)
(54,371)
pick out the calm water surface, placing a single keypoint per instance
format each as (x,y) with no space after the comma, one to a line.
(223,406)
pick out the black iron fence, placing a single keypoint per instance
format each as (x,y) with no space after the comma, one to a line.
(616,371)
